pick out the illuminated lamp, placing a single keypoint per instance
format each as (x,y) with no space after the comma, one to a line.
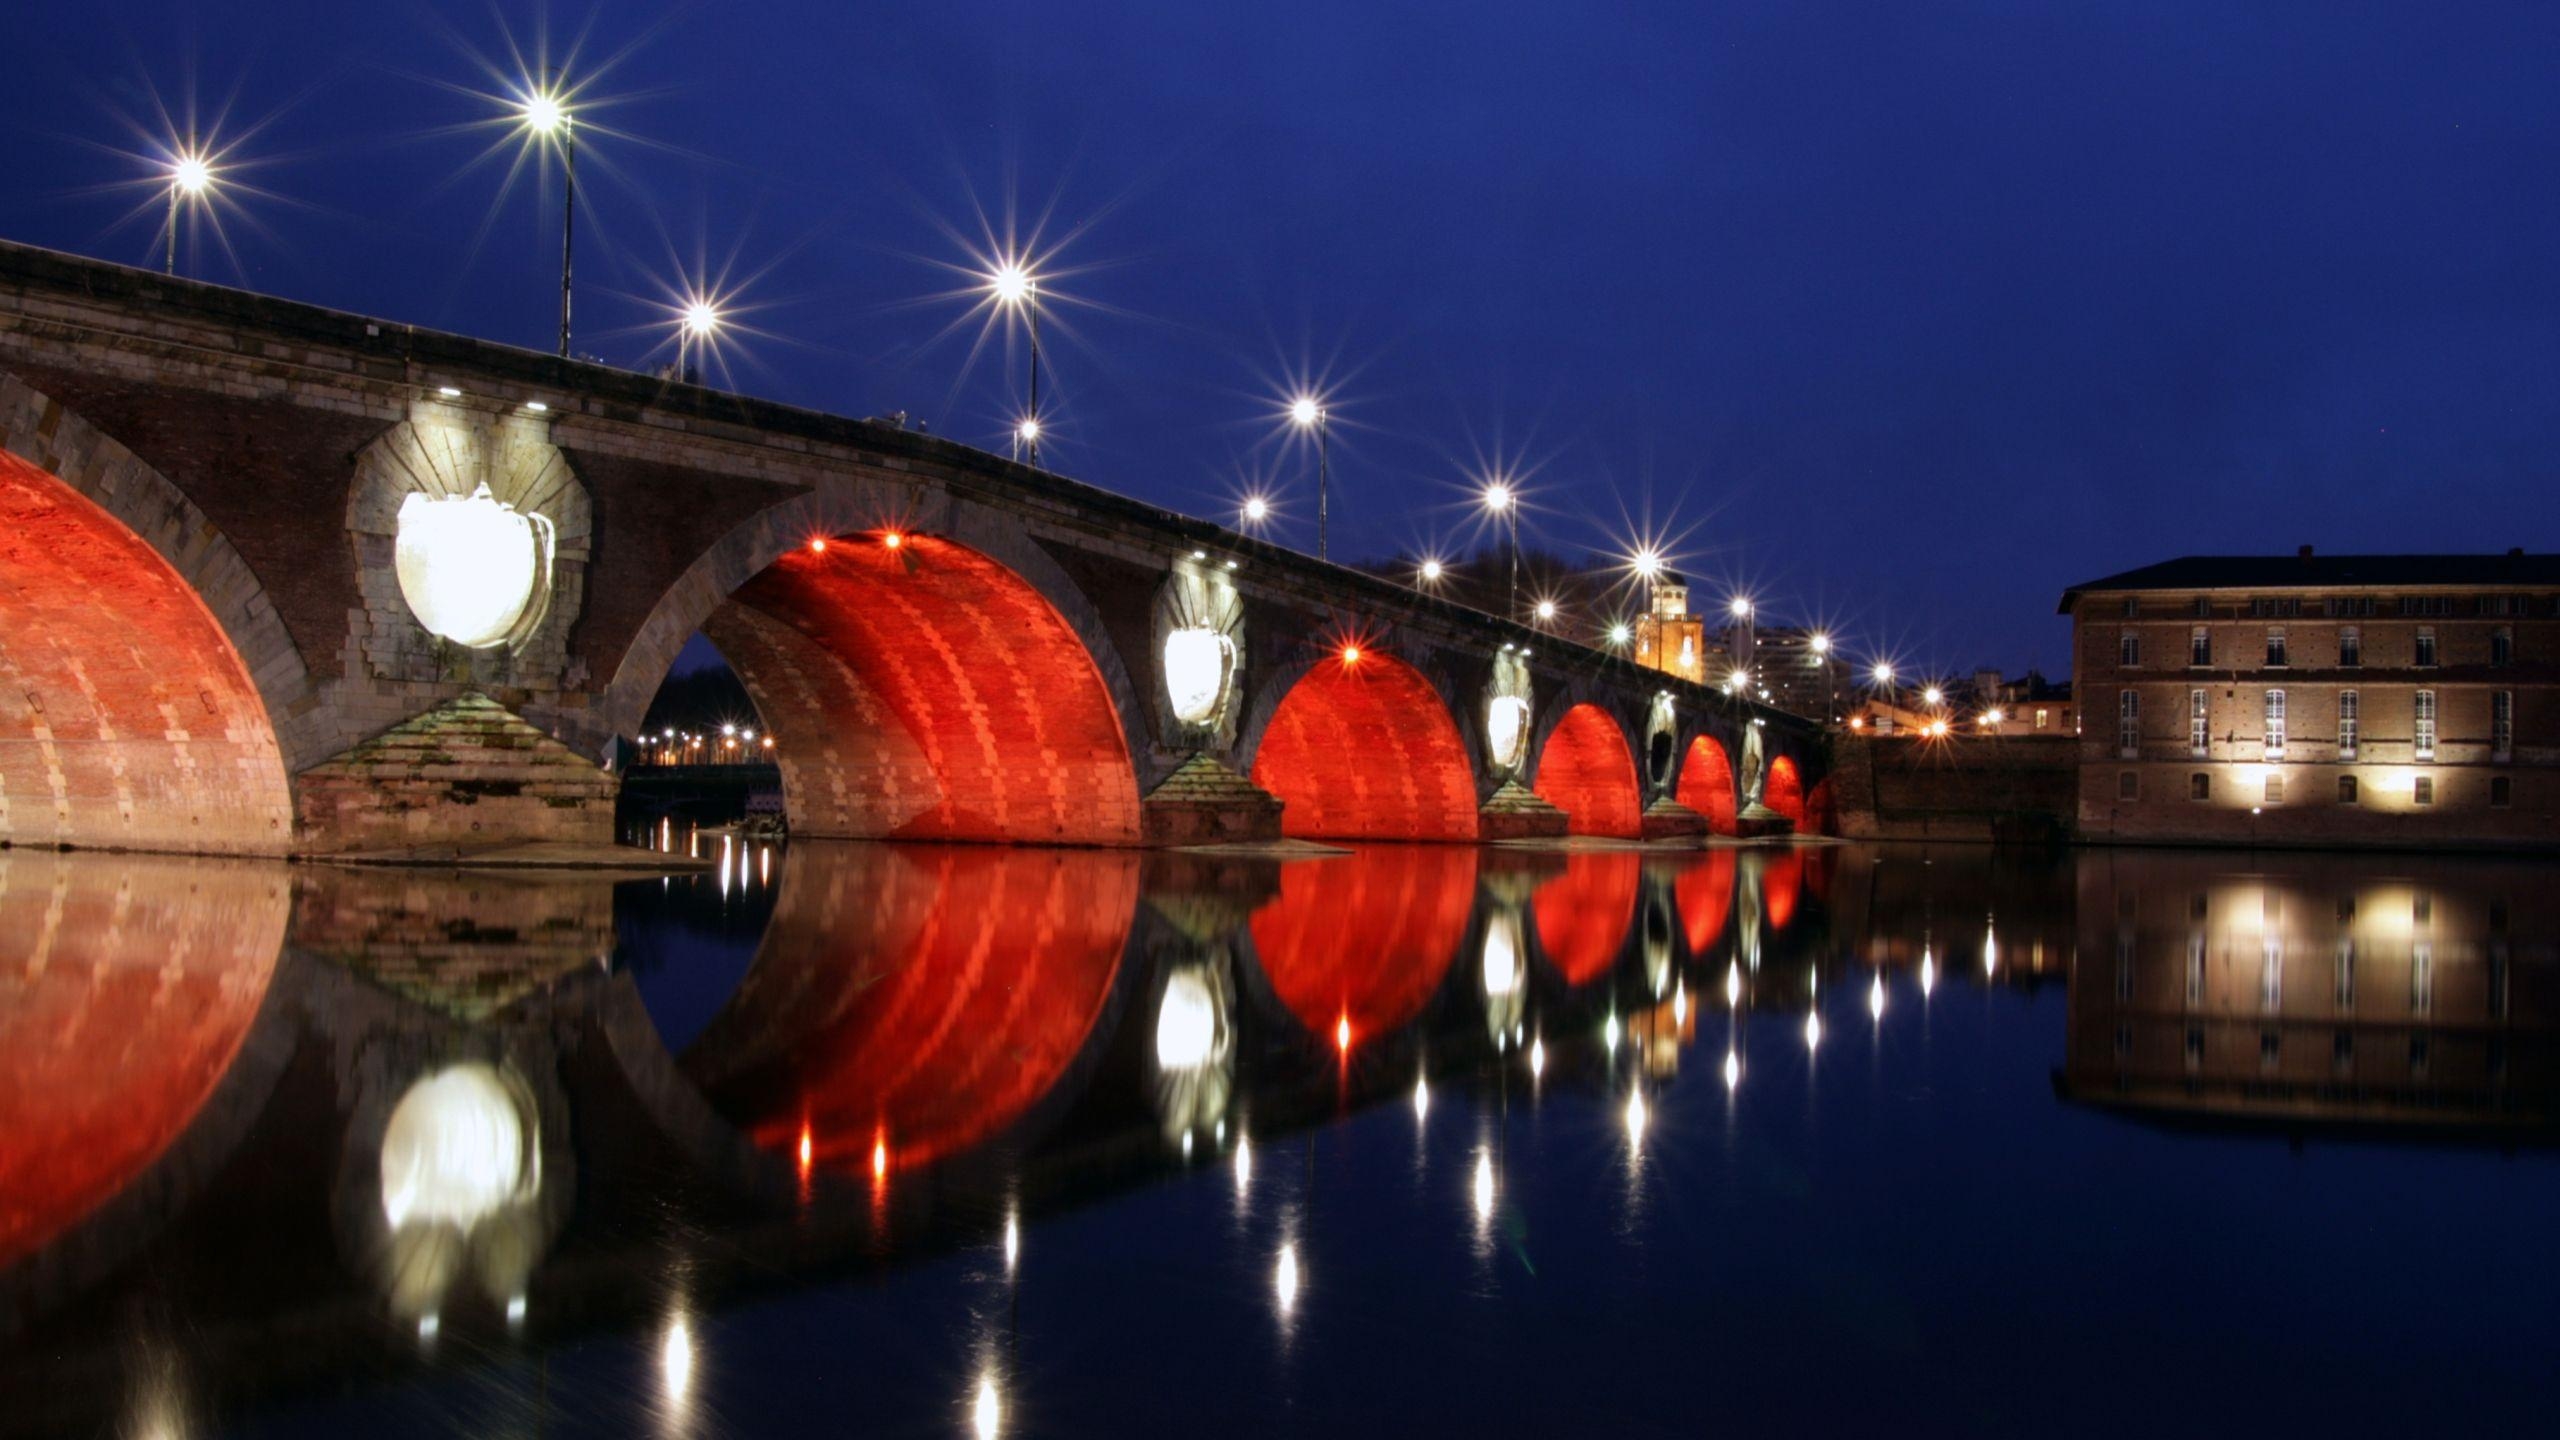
(1199,669)
(474,570)
(818,546)
(1506,729)
(893,539)
(1350,654)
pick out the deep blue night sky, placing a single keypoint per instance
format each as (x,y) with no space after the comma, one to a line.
(1908,315)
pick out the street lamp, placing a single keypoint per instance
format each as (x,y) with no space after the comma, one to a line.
(695,329)
(1026,438)
(1307,414)
(1256,511)
(546,114)
(1015,288)
(1744,642)
(1820,644)
(1431,571)
(190,176)
(1504,503)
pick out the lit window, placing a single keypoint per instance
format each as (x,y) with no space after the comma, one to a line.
(2350,648)
(2040,717)
(2129,649)
(2199,723)
(2426,657)
(2346,790)
(2200,646)
(2502,723)
(2199,786)
(2275,724)
(2422,791)
(2349,717)
(2275,647)
(2426,724)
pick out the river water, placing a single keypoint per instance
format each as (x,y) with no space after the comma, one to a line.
(840,1139)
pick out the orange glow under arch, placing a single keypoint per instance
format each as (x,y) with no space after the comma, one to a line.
(126,717)
(1706,785)
(1589,774)
(1784,790)
(1364,750)
(926,692)
(1584,913)
(1367,937)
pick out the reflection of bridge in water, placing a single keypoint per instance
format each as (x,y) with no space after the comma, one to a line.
(362,1112)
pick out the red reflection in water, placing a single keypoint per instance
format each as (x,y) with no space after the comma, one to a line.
(1704,895)
(908,1003)
(1365,938)
(126,987)
(1780,881)
(1584,913)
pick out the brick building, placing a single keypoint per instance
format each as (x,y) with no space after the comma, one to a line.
(2355,700)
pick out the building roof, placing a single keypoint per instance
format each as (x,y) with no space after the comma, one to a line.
(2306,570)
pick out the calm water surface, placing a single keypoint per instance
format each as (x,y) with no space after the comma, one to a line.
(954,1141)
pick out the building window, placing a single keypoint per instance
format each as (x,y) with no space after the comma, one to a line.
(2199,786)
(2426,604)
(2426,725)
(2271,607)
(2346,790)
(2204,607)
(2274,790)
(2502,792)
(2200,646)
(2129,785)
(2346,989)
(2132,607)
(2422,978)
(2129,650)
(2199,724)
(2502,646)
(2129,723)
(2502,724)
(2422,791)
(2041,713)
(2275,724)
(2426,657)
(2275,646)
(2350,721)
(2350,648)
(2350,605)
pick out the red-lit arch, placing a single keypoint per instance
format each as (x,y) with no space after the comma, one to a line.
(1367,937)
(1822,809)
(1704,895)
(140,981)
(1365,750)
(925,691)
(1583,914)
(127,718)
(1587,772)
(1784,790)
(1706,785)
(920,999)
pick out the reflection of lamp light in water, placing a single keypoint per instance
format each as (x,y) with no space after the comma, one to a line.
(1812,1031)
(1421,1099)
(1732,1069)
(1733,983)
(988,1414)
(1187,1023)
(1928,972)
(1990,954)
(1285,1278)
(1635,1116)
(1244,1164)
(457,1148)
(675,1360)
(1537,1057)
(1875,997)
(1342,1034)
(1609,1034)
(1484,1186)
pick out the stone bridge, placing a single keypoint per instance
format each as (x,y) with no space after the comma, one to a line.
(277,579)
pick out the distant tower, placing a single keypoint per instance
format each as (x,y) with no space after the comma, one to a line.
(1669,638)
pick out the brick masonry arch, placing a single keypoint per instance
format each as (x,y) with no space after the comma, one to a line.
(1784,790)
(1587,770)
(142,667)
(955,686)
(1707,784)
(1364,749)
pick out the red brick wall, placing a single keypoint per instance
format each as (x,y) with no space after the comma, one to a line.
(927,692)
(1365,750)
(1587,772)
(126,718)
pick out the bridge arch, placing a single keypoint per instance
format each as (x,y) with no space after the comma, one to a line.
(1706,785)
(1586,770)
(141,664)
(925,670)
(1784,789)
(1360,745)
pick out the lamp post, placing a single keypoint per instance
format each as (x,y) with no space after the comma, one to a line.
(1026,439)
(1500,499)
(1884,681)
(1820,644)
(546,115)
(1307,414)
(1016,290)
(190,176)
(700,323)
(1744,642)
